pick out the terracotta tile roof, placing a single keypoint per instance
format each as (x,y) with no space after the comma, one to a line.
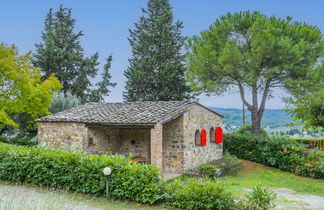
(148,112)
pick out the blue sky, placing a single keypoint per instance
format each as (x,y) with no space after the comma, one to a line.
(106,23)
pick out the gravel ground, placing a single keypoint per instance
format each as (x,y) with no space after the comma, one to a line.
(21,197)
(290,199)
(25,197)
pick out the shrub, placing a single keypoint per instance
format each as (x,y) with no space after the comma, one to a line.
(25,141)
(189,193)
(192,193)
(247,130)
(208,170)
(79,172)
(277,152)
(230,164)
(259,198)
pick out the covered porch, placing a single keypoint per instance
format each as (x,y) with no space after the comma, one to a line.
(140,140)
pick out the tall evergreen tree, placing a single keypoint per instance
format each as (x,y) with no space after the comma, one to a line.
(102,90)
(61,53)
(156,70)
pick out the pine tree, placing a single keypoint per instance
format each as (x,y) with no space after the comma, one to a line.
(97,95)
(61,53)
(156,70)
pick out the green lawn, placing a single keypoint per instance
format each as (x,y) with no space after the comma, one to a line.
(253,173)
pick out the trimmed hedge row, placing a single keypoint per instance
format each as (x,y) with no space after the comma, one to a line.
(278,152)
(81,173)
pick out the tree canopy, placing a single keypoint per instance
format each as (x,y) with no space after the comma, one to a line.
(62,102)
(306,105)
(21,88)
(157,66)
(250,52)
(60,52)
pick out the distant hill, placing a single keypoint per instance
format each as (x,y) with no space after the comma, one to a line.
(272,118)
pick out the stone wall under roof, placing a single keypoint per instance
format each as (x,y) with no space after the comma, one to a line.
(102,141)
(173,146)
(199,118)
(179,153)
(135,142)
(119,141)
(66,135)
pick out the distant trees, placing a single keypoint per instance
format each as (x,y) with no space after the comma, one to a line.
(21,89)
(62,102)
(60,53)
(157,66)
(253,53)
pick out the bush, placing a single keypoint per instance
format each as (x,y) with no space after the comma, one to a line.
(25,141)
(230,164)
(79,172)
(277,152)
(208,170)
(247,130)
(189,193)
(259,198)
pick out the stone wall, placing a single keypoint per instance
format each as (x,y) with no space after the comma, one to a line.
(177,151)
(102,140)
(135,142)
(173,146)
(66,135)
(199,118)
(156,146)
(119,141)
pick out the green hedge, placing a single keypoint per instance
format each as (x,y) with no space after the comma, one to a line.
(83,173)
(190,193)
(78,172)
(278,152)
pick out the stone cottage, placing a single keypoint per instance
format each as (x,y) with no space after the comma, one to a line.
(173,135)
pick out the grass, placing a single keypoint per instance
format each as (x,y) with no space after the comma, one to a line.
(254,173)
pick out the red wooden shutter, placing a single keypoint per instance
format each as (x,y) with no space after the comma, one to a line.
(203,137)
(219,135)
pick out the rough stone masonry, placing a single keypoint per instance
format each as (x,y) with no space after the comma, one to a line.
(161,132)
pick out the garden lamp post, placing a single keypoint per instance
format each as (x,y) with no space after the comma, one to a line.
(107,171)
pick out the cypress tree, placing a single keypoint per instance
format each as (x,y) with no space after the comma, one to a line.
(156,69)
(61,53)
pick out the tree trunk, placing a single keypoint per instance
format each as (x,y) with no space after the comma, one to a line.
(255,111)
(256,122)
(243,115)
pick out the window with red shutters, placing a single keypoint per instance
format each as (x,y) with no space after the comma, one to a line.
(197,138)
(203,137)
(219,135)
(212,135)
